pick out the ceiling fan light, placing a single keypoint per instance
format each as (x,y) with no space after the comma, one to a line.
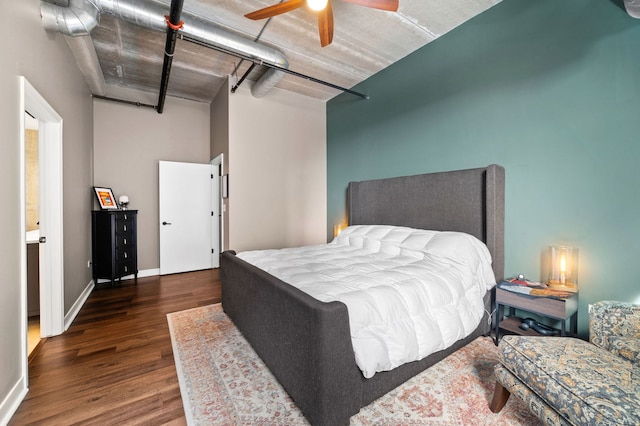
(317,5)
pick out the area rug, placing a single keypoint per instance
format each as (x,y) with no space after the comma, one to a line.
(224,382)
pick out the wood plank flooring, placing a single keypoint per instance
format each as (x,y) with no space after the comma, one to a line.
(115,363)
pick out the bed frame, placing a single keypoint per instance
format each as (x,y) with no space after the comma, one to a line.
(307,343)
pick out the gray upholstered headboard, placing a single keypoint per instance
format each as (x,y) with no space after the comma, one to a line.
(470,201)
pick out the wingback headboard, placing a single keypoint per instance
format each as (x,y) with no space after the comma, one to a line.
(470,201)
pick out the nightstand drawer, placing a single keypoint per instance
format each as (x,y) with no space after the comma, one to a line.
(552,308)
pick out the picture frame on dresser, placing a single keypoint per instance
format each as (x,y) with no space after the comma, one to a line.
(106,199)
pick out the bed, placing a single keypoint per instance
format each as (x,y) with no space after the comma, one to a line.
(307,343)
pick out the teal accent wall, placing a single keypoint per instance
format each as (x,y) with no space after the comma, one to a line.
(548,89)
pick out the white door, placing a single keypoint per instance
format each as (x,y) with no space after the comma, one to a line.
(186,217)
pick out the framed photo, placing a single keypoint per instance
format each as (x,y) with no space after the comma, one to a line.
(105,198)
(225,186)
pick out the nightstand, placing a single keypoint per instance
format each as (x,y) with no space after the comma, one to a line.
(547,307)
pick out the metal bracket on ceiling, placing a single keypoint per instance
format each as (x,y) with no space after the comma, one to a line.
(247,72)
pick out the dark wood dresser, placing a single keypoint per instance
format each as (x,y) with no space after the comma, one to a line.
(114,244)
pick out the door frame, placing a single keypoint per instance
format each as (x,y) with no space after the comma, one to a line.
(218,164)
(50,183)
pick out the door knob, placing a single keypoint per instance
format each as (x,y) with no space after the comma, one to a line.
(166,223)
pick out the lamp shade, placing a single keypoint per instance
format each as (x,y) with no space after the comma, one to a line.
(563,268)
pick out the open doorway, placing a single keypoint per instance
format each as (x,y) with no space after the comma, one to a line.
(32,223)
(49,217)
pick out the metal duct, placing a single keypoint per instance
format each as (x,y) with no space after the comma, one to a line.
(150,14)
(76,19)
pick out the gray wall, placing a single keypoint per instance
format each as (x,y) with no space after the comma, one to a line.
(45,60)
(220,145)
(277,170)
(550,90)
(129,142)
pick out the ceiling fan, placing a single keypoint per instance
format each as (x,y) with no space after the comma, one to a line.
(324,11)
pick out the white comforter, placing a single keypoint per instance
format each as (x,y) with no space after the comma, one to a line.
(409,292)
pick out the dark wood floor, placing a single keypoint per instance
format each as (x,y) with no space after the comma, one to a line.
(115,363)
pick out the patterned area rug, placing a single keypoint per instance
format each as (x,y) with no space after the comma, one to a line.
(224,382)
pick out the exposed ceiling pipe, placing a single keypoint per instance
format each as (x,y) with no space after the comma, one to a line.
(81,16)
(76,19)
(173,25)
(210,35)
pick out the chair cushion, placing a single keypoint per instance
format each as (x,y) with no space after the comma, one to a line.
(615,326)
(534,403)
(624,347)
(583,382)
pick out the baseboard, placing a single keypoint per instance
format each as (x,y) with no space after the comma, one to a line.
(148,273)
(141,274)
(75,309)
(12,401)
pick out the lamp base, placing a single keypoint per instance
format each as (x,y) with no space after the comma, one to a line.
(557,285)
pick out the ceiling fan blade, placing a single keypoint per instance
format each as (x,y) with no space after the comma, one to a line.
(276,9)
(391,5)
(325,25)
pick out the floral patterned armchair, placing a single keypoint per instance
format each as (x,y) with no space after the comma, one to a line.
(615,327)
(567,381)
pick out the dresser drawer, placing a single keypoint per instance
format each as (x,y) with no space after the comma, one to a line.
(124,227)
(125,216)
(125,268)
(123,241)
(124,253)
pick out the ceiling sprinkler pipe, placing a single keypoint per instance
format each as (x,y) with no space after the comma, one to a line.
(173,26)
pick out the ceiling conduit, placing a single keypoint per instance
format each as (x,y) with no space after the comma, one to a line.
(81,16)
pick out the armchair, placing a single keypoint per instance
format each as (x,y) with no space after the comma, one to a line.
(615,326)
(567,381)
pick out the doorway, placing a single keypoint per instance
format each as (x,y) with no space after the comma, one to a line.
(217,166)
(32,221)
(50,242)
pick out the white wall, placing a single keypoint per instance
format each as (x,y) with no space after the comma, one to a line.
(129,141)
(277,170)
(46,61)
